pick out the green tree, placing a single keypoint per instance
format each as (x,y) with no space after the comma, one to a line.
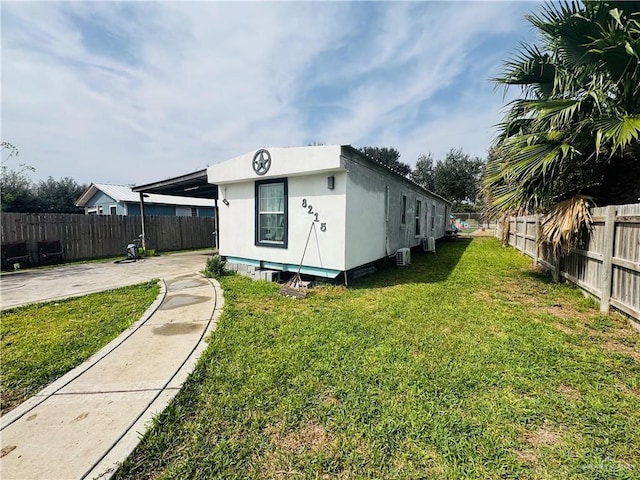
(16,194)
(19,194)
(574,134)
(422,174)
(457,177)
(59,196)
(389,157)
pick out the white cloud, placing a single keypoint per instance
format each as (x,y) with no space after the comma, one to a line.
(385,112)
(136,92)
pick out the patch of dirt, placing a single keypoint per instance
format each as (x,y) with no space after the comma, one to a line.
(527,456)
(312,436)
(628,332)
(581,323)
(569,393)
(565,329)
(330,291)
(561,311)
(534,295)
(628,390)
(272,466)
(519,293)
(544,435)
(614,347)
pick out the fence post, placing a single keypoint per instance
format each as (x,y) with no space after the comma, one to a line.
(607,255)
(555,273)
(537,240)
(144,233)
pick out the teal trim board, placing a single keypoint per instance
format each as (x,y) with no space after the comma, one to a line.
(286,267)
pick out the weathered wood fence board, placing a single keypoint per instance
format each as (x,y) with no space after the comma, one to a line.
(94,236)
(608,267)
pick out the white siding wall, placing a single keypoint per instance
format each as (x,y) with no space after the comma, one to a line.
(285,162)
(375,229)
(325,250)
(363,222)
(237,220)
(366,216)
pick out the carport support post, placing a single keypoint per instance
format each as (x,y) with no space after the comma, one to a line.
(144,236)
(215,224)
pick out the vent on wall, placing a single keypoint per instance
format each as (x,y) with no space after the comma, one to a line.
(429,244)
(403,257)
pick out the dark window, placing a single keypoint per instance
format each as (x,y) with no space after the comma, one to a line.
(113,210)
(418,205)
(271,213)
(194,212)
(433,217)
(404,210)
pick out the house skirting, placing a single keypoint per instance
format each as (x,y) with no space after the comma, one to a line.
(285,267)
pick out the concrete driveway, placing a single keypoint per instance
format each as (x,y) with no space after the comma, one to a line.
(86,422)
(45,284)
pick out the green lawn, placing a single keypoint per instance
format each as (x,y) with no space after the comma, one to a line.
(42,342)
(467,364)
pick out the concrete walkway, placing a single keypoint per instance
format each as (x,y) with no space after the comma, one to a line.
(82,425)
(44,284)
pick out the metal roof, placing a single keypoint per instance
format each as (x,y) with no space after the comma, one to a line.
(194,185)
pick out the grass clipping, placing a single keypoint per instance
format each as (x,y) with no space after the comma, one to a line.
(566,223)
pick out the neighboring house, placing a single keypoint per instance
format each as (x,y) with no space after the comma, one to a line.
(101,199)
(332,205)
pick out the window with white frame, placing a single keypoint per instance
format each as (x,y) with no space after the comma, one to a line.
(418,205)
(271,213)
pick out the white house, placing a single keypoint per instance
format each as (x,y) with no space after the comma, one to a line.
(328,208)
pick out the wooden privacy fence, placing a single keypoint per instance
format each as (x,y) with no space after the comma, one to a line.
(94,236)
(609,265)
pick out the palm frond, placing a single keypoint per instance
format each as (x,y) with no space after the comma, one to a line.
(621,131)
(579,109)
(565,223)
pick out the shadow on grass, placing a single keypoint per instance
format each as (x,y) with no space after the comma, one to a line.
(426,267)
(539,274)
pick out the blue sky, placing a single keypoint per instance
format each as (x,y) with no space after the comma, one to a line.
(136,92)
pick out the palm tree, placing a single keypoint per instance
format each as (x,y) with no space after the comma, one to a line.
(573,137)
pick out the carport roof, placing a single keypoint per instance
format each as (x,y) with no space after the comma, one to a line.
(194,185)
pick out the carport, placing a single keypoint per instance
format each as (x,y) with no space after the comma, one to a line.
(194,185)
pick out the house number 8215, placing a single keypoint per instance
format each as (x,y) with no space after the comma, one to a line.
(309,207)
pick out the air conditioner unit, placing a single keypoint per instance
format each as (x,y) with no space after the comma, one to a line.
(429,244)
(403,257)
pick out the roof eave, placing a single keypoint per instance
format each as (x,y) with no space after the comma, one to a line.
(405,179)
(86,196)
